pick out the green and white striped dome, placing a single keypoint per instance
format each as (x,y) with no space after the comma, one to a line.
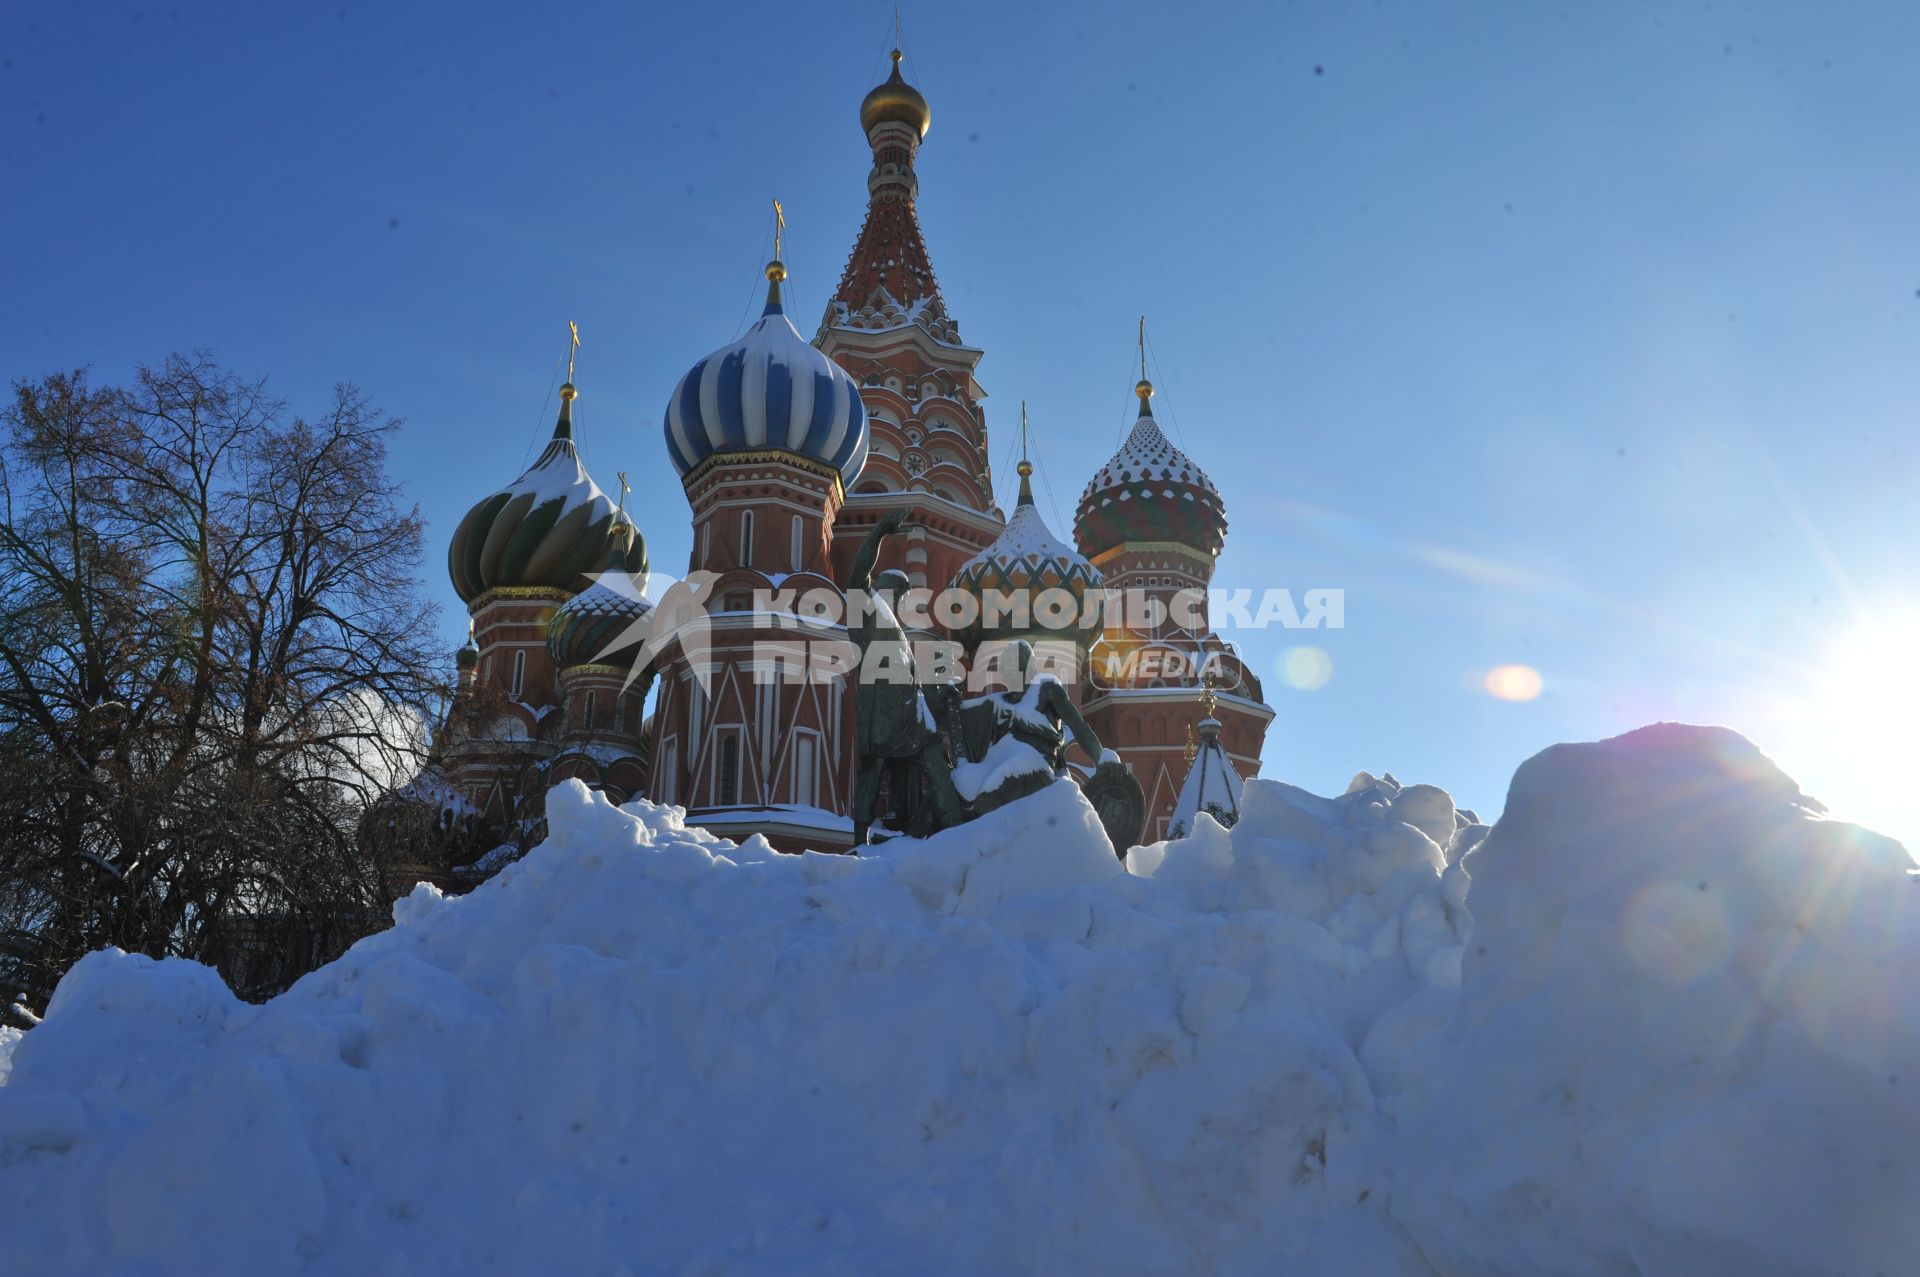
(548,528)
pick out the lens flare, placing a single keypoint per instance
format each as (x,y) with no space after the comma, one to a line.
(1306,669)
(1513,682)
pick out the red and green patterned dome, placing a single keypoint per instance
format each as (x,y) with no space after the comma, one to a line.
(1028,563)
(1150,491)
(548,528)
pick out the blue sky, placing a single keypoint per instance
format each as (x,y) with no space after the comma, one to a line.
(1576,336)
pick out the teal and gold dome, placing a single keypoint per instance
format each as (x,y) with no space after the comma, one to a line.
(547,529)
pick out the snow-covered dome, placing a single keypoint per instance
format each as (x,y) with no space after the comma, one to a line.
(1026,561)
(769,390)
(584,628)
(1150,491)
(1212,785)
(547,528)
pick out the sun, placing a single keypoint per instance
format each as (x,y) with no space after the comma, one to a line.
(1868,693)
(1861,723)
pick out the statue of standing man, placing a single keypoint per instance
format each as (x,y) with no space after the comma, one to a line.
(893,726)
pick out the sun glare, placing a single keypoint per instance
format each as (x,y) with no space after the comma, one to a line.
(1868,695)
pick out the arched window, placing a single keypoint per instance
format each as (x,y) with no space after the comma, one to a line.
(799,543)
(729,780)
(803,770)
(746,538)
(666,771)
(519,673)
(588,724)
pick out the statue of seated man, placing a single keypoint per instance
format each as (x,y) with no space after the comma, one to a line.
(1016,739)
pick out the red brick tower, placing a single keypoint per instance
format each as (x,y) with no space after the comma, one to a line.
(1153,523)
(888,326)
(766,433)
(516,557)
(533,703)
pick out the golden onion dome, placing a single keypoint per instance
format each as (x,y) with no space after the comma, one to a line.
(896,100)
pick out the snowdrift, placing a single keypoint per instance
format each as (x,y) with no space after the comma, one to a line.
(1670,1037)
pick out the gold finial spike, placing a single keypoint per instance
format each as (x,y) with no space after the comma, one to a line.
(563,428)
(1193,750)
(1025,468)
(776,269)
(1144,388)
(1207,702)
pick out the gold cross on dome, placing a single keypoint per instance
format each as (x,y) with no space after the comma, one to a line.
(779,225)
(573,344)
(625,488)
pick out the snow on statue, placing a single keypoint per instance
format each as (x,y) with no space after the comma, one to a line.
(1674,1035)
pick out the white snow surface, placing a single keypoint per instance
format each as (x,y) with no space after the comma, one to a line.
(1007,758)
(1684,1044)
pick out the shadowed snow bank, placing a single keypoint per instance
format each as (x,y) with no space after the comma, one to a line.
(643,1049)
(1688,1039)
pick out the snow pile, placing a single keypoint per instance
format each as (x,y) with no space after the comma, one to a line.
(643,1049)
(1688,1039)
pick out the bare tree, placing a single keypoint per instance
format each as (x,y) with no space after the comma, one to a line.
(213,655)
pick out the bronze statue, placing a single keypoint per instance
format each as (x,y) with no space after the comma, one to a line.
(1037,711)
(895,730)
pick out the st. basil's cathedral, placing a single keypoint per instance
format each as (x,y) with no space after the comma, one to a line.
(790,452)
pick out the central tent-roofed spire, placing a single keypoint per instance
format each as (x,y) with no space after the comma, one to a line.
(887,325)
(889,278)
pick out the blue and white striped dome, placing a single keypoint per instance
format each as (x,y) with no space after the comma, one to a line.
(770,389)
